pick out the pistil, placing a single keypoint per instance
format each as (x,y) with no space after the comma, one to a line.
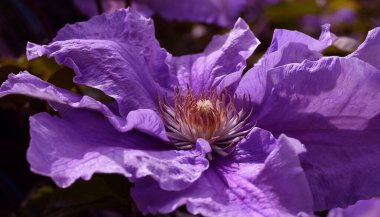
(213,117)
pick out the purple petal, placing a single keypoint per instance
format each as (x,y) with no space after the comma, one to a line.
(282,38)
(369,50)
(255,147)
(265,161)
(24,83)
(287,47)
(83,143)
(222,13)
(276,186)
(333,107)
(254,82)
(222,62)
(116,53)
(285,178)
(365,208)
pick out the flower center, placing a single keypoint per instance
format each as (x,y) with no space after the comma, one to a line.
(204,105)
(213,117)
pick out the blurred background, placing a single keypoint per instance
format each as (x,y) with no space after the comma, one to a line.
(23,193)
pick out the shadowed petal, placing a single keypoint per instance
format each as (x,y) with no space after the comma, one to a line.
(283,176)
(222,62)
(116,53)
(369,50)
(83,143)
(333,107)
(363,208)
(145,120)
(222,13)
(277,187)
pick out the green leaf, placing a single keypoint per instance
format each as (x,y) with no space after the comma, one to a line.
(338,4)
(43,67)
(20,62)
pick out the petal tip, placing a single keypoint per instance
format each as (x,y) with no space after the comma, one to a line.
(203,146)
(34,50)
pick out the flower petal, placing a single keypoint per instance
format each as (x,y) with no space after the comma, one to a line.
(282,37)
(368,208)
(285,178)
(116,53)
(333,107)
(254,82)
(222,62)
(277,188)
(82,143)
(369,50)
(222,13)
(145,120)
(286,47)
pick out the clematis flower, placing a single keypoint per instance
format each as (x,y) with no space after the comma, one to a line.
(222,13)
(192,131)
(367,208)
(177,131)
(330,104)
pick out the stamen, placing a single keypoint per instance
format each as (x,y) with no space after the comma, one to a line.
(213,117)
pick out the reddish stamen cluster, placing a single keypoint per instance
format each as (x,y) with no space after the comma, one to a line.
(212,117)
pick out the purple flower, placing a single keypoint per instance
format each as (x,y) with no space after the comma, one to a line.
(363,208)
(212,162)
(331,105)
(222,13)
(192,131)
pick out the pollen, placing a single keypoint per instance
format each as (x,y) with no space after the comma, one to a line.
(204,105)
(210,116)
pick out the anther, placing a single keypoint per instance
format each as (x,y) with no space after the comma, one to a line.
(213,117)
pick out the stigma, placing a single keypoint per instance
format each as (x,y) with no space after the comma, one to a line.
(204,105)
(211,116)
